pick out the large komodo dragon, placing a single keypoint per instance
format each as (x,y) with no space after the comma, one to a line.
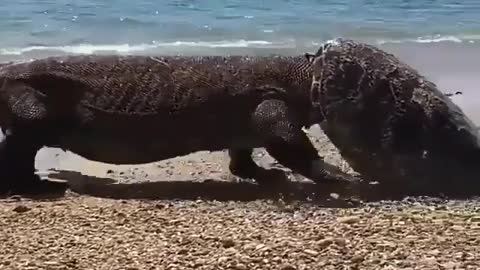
(139,109)
(391,124)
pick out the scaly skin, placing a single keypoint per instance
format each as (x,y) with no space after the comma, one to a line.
(139,109)
(391,124)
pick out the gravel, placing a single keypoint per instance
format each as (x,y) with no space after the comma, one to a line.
(82,232)
(122,228)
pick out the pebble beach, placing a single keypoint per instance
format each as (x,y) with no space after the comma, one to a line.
(197,216)
(190,212)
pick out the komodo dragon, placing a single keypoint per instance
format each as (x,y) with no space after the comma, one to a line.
(140,109)
(391,124)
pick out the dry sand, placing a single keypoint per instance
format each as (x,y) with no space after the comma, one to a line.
(135,217)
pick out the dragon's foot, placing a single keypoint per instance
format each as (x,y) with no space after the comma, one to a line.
(264,177)
(323,172)
(31,186)
(270,177)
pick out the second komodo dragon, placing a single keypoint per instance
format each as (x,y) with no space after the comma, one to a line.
(391,124)
(139,109)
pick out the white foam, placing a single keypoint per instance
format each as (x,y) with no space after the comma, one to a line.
(438,39)
(433,39)
(333,42)
(127,48)
(76,49)
(240,43)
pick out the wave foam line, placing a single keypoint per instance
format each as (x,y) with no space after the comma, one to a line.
(127,48)
(434,39)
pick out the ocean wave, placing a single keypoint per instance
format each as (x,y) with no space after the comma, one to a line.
(127,48)
(434,39)
(86,48)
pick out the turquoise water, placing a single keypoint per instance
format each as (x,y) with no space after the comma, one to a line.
(125,25)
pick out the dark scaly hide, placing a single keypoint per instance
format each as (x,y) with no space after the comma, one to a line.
(140,109)
(390,123)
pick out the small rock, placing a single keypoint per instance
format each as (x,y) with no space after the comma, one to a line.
(341,242)
(457,228)
(249,246)
(325,242)
(388,244)
(357,259)
(311,252)
(227,243)
(287,267)
(21,209)
(230,251)
(475,219)
(348,220)
(160,206)
(222,259)
(259,246)
(51,263)
(109,171)
(428,261)
(411,238)
(439,239)
(182,251)
(450,265)
(276,259)
(241,266)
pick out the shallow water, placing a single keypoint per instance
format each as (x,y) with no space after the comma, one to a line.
(86,25)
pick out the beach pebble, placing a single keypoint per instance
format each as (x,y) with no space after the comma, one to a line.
(349,219)
(21,209)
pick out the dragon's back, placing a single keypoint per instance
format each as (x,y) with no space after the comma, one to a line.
(142,85)
(166,105)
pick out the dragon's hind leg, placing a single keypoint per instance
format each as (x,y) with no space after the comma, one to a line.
(242,165)
(17,166)
(289,145)
(23,122)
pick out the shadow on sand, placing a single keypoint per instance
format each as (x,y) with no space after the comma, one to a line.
(347,194)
